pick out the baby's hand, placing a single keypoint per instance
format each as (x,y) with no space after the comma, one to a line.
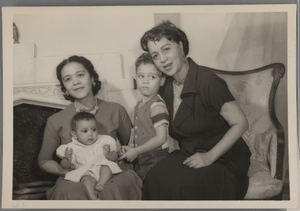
(130,154)
(106,149)
(72,167)
(68,154)
(123,150)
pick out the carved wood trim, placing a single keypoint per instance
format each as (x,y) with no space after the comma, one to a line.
(48,94)
(247,72)
(278,73)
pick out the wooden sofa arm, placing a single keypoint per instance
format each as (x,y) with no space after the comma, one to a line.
(278,73)
(275,160)
(32,190)
(280,155)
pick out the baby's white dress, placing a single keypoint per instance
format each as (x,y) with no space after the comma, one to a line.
(87,159)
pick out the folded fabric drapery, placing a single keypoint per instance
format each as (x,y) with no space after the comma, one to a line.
(254,40)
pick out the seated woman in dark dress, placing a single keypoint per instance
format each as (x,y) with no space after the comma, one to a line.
(213,160)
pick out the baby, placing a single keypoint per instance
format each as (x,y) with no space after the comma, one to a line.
(151,119)
(93,156)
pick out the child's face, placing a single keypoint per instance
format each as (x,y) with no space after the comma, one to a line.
(148,81)
(86,132)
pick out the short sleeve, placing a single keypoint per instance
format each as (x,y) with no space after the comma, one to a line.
(105,139)
(125,125)
(159,114)
(217,92)
(60,151)
(51,141)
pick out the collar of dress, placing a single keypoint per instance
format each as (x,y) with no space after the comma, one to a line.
(76,142)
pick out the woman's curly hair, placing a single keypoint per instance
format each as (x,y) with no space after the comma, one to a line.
(90,68)
(168,30)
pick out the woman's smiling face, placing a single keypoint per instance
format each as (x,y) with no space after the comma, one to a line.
(77,80)
(167,55)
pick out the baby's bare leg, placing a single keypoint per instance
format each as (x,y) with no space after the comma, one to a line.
(90,182)
(105,175)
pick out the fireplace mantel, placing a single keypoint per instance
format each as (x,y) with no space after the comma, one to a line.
(46,94)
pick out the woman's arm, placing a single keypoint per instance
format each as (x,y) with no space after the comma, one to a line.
(51,142)
(238,123)
(53,167)
(234,116)
(154,142)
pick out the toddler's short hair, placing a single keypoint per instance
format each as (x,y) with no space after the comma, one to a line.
(81,116)
(146,58)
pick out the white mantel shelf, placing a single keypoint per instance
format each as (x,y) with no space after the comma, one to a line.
(46,94)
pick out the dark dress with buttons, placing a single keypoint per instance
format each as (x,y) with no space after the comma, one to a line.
(198,127)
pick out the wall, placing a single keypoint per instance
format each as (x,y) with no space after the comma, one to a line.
(110,41)
(206,33)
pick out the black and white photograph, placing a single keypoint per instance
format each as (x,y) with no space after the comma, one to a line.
(150,107)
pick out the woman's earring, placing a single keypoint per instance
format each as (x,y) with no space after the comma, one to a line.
(67,93)
(184,60)
(93,82)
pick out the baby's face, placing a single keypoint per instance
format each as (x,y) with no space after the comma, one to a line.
(87,131)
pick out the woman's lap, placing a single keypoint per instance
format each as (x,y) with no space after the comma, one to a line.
(171,180)
(67,190)
(124,186)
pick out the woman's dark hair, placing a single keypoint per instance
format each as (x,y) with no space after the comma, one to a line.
(168,30)
(146,58)
(87,65)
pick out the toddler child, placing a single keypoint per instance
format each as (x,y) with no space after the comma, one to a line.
(93,156)
(151,119)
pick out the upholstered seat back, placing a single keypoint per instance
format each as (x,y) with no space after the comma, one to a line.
(254,91)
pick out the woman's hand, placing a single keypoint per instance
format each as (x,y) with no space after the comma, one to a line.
(199,160)
(130,154)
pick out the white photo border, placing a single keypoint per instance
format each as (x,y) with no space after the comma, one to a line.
(7,201)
